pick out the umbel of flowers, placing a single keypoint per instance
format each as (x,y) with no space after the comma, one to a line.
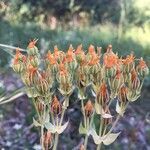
(110,78)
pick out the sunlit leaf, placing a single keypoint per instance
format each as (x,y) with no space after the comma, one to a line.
(108,139)
(60,129)
(52,128)
(105,115)
(82,130)
(98,108)
(96,138)
(36,123)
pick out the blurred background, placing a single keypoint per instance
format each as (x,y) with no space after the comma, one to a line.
(123,23)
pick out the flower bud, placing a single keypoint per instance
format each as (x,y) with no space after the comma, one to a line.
(18,68)
(31,74)
(55,106)
(128,63)
(41,86)
(32,49)
(135,82)
(115,83)
(88,108)
(47,139)
(80,55)
(26,79)
(19,62)
(34,61)
(40,106)
(122,95)
(103,95)
(142,68)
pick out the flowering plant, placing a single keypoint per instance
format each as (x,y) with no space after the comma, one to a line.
(108,78)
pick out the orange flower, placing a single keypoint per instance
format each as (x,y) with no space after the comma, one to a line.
(56,52)
(142,64)
(51,58)
(31,69)
(129,59)
(110,59)
(88,108)
(91,50)
(79,50)
(94,60)
(69,56)
(62,69)
(18,57)
(32,43)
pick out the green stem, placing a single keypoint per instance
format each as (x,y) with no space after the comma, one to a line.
(100,133)
(42,128)
(84,117)
(39,117)
(86,137)
(56,136)
(42,138)
(56,141)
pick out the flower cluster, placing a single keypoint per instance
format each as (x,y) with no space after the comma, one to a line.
(108,76)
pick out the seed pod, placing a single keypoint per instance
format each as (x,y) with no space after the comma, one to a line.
(88,108)
(55,106)
(122,95)
(32,49)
